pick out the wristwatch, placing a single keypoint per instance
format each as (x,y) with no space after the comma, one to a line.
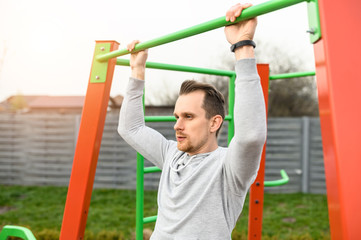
(242,43)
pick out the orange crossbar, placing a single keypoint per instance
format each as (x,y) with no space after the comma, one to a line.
(86,153)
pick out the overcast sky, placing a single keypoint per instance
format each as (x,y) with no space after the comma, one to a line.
(46,47)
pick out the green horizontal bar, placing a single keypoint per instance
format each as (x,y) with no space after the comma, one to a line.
(149,219)
(248,13)
(282,181)
(179,68)
(228,118)
(279,182)
(171,118)
(151,169)
(159,119)
(291,75)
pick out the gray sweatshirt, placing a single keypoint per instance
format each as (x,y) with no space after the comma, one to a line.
(201,196)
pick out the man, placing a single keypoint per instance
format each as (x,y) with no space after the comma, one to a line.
(203,186)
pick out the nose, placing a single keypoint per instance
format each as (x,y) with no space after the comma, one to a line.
(178,125)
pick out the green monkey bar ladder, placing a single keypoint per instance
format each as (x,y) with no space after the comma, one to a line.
(141,170)
(248,13)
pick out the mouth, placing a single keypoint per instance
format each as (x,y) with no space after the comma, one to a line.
(180,138)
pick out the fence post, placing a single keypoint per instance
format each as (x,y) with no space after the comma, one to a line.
(77,127)
(305,154)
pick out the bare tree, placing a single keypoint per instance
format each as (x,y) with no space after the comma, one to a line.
(287,97)
(17,103)
(168,97)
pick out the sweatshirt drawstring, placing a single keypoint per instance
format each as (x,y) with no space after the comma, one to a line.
(181,162)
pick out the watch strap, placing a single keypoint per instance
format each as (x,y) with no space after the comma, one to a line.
(242,43)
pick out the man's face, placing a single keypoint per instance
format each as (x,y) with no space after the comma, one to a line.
(192,128)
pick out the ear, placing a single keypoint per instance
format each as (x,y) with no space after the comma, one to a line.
(215,123)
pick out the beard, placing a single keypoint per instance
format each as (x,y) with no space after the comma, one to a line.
(188,146)
(184,146)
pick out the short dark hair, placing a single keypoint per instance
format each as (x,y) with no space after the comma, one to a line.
(213,102)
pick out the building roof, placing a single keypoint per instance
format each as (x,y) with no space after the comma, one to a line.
(57,102)
(64,104)
(116,102)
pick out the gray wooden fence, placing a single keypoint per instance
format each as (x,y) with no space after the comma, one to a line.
(38,150)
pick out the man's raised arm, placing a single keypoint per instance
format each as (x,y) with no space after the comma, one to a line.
(244,152)
(150,143)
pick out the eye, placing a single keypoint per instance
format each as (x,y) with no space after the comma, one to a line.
(188,116)
(176,116)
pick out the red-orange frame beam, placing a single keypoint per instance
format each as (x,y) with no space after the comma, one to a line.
(256,191)
(86,154)
(338,74)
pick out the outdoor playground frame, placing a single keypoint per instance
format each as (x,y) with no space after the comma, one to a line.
(336,35)
(337,103)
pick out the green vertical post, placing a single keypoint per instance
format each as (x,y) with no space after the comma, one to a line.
(140,198)
(231,87)
(140,191)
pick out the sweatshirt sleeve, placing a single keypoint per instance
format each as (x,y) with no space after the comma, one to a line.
(148,142)
(244,151)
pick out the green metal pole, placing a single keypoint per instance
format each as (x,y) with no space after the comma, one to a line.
(140,198)
(150,219)
(179,68)
(139,215)
(219,72)
(248,13)
(9,231)
(279,182)
(159,118)
(152,169)
(171,118)
(231,87)
(291,75)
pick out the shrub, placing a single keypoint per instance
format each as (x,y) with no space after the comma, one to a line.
(48,234)
(239,235)
(110,235)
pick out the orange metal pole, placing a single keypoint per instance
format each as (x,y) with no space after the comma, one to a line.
(337,57)
(256,191)
(88,146)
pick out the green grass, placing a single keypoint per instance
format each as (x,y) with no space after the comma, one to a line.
(292,216)
(286,216)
